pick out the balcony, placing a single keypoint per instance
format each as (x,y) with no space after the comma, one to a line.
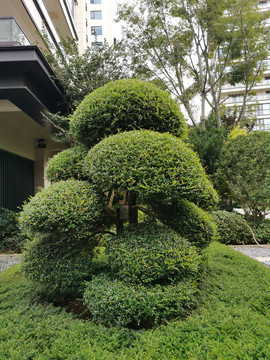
(11,34)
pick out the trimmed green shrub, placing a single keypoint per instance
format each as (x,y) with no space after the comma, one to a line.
(112,302)
(232,228)
(68,210)
(11,239)
(187,219)
(61,268)
(61,220)
(125,105)
(154,165)
(151,254)
(67,165)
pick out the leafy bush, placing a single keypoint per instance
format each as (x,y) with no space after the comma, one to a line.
(125,105)
(61,220)
(244,174)
(67,165)
(187,219)
(11,239)
(261,230)
(68,210)
(208,144)
(61,268)
(152,164)
(112,302)
(232,228)
(151,254)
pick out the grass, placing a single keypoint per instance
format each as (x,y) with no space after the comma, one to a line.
(232,321)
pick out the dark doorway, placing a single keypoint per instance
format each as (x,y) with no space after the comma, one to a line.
(16,180)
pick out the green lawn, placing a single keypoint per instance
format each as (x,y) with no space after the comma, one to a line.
(232,321)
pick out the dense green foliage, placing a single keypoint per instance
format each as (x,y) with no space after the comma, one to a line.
(151,254)
(60,222)
(261,230)
(68,210)
(156,166)
(187,219)
(208,144)
(152,276)
(11,239)
(60,267)
(244,175)
(231,321)
(113,302)
(125,105)
(232,228)
(67,165)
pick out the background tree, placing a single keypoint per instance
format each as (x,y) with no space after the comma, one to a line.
(194,47)
(243,175)
(79,75)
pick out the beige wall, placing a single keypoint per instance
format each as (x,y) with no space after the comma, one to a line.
(19,134)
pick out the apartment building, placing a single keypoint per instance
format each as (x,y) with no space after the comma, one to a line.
(94,20)
(234,94)
(27,90)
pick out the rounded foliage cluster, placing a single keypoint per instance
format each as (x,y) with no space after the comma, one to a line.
(68,210)
(152,254)
(67,165)
(187,219)
(61,268)
(125,105)
(152,164)
(113,302)
(232,228)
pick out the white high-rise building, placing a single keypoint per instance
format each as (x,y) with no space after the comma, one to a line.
(94,22)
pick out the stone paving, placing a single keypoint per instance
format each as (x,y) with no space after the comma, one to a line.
(8,260)
(258,252)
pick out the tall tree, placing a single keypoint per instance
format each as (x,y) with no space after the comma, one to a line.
(194,47)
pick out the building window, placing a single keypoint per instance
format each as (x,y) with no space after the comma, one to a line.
(262,124)
(96,45)
(96,15)
(96,30)
(264,109)
(95,1)
(11,33)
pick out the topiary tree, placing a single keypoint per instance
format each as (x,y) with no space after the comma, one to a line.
(244,175)
(155,268)
(125,105)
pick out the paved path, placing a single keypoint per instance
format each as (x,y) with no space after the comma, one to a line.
(260,253)
(8,260)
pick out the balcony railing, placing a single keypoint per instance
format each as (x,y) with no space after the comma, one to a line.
(10,33)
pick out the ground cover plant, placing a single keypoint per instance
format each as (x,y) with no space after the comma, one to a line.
(231,320)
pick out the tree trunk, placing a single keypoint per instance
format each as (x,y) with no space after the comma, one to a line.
(133,211)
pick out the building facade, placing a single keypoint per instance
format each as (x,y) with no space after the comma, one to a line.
(27,90)
(94,21)
(233,95)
